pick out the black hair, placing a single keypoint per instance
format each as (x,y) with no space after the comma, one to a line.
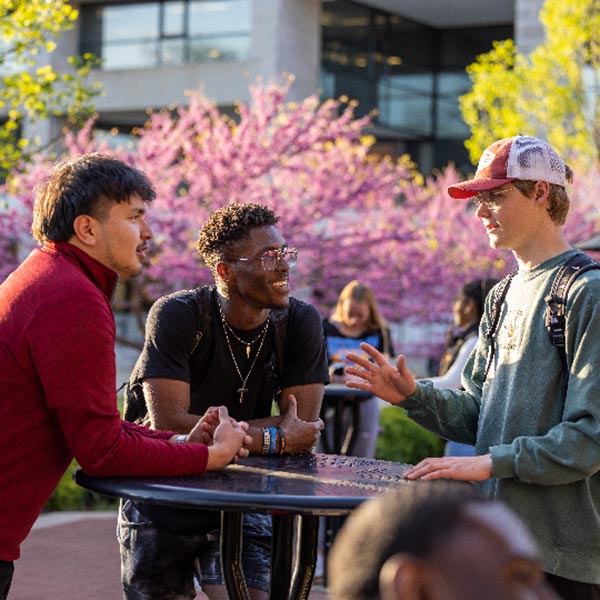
(229,225)
(86,185)
(410,521)
(477,290)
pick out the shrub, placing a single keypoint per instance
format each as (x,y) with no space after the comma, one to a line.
(402,440)
(69,496)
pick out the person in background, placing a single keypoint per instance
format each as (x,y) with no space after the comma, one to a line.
(450,545)
(57,350)
(467,311)
(535,423)
(356,318)
(242,342)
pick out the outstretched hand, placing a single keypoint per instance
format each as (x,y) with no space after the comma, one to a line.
(392,384)
(300,436)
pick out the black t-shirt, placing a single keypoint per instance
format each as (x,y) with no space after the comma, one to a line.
(211,373)
(172,330)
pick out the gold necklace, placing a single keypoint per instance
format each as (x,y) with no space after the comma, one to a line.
(239,339)
(262,335)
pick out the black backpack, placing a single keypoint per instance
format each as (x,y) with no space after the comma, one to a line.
(135,409)
(556,305)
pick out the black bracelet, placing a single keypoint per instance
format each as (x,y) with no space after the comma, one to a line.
(283,442)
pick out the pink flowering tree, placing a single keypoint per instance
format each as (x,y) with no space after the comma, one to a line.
(352,215)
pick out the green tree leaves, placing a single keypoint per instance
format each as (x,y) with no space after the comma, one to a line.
(552,93)
(30,88)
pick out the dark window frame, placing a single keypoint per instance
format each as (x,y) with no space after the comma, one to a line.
(91,39)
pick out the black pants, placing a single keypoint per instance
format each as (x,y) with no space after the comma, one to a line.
(6,573)
(574,590)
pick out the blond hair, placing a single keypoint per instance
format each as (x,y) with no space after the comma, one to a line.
(356,291)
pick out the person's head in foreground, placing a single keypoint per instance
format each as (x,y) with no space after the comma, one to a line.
(435,547)
(518,187)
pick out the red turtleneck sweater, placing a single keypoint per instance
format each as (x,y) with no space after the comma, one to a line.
(57,389)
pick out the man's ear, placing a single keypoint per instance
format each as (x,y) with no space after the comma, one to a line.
(222,270)
(542,189)
(402,578)
(85,230)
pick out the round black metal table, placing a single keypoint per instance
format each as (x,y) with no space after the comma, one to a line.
(295,490)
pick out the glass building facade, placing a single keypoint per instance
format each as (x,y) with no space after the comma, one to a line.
(411,74)
(168,32)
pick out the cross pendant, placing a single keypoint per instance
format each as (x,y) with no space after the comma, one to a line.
(242,391)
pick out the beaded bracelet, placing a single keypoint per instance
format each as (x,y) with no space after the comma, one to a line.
(272,440)
(266,440)
(282,437)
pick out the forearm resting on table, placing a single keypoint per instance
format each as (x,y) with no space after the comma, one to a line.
(168,402)
(460,468)
(299,437)
(182,421)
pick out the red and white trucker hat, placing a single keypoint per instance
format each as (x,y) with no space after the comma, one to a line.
(519,157)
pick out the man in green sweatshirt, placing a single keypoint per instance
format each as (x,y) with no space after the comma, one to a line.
(537,446)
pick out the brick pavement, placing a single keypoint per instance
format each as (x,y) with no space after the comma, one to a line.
(75,556)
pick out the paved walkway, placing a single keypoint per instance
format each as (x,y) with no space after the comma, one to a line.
(75,556)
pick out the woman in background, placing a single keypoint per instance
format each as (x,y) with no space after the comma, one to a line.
(462,337)
(355,319)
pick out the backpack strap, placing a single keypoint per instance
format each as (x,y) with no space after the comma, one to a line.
(556,305)
(498,299)
(135,408)
(556,308)
(280,321)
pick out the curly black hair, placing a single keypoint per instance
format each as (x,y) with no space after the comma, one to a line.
(230,224)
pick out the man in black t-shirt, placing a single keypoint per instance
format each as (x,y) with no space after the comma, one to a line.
(243,343)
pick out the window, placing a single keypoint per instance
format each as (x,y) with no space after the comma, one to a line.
(170,32)
(411,74)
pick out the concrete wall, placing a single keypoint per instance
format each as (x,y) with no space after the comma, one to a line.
(286,37)
(529,32)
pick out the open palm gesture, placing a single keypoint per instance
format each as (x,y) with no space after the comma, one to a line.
(393,384)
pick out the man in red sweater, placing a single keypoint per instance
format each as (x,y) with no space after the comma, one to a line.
(57,335)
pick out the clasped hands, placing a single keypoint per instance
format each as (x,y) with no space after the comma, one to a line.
(224,435)
(216,426)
